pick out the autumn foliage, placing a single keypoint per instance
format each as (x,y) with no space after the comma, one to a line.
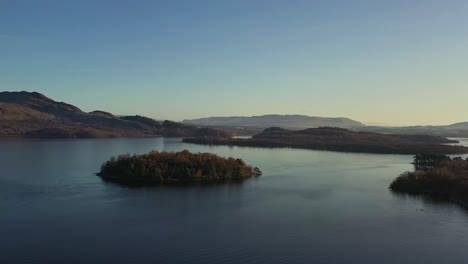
(438,177)
(181,167)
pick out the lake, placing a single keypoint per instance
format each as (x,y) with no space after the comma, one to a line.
(308,207)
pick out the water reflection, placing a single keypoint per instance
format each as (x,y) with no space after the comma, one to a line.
(308,207)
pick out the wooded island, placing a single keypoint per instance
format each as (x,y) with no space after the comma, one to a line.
(436,176)
(156,168)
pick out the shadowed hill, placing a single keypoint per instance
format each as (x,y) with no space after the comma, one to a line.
(102,113)
(143,120)
(31,114)
(38,102)
(10,111)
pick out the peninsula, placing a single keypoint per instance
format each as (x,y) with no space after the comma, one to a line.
(339,139)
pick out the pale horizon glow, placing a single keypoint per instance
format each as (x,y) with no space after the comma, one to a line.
(378,62)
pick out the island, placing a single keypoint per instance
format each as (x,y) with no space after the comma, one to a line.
(163,168)
(340,139)
(436,176)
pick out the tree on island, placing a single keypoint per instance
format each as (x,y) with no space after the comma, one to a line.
(436,176)
(428,161)
(180,167)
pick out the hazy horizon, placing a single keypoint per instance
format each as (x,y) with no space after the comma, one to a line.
(386,63)
(201,117)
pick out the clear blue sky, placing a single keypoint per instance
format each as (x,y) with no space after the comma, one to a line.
(395,62)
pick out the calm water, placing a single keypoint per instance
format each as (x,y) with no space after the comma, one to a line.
(309,207)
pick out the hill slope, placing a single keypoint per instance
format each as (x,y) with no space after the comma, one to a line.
(31,114)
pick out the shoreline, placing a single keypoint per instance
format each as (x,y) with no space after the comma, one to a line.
(330,147)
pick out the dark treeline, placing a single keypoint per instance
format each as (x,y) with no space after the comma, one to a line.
(338,139)
(157,168)
(436,176)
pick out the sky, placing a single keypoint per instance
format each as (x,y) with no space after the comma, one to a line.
(380,62)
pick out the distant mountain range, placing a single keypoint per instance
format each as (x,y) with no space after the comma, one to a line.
(284,121)
(31,114)
(255,124)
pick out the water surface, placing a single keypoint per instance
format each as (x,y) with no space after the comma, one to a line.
(309,207)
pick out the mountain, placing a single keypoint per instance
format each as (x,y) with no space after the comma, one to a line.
(31,114)
(285,121)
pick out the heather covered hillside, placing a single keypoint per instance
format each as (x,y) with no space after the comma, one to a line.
(31,114)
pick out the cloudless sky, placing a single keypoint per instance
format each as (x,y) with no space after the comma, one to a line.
(395,62)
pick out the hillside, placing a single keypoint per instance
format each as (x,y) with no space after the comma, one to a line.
(286,121)
(31,114)
(338,139)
